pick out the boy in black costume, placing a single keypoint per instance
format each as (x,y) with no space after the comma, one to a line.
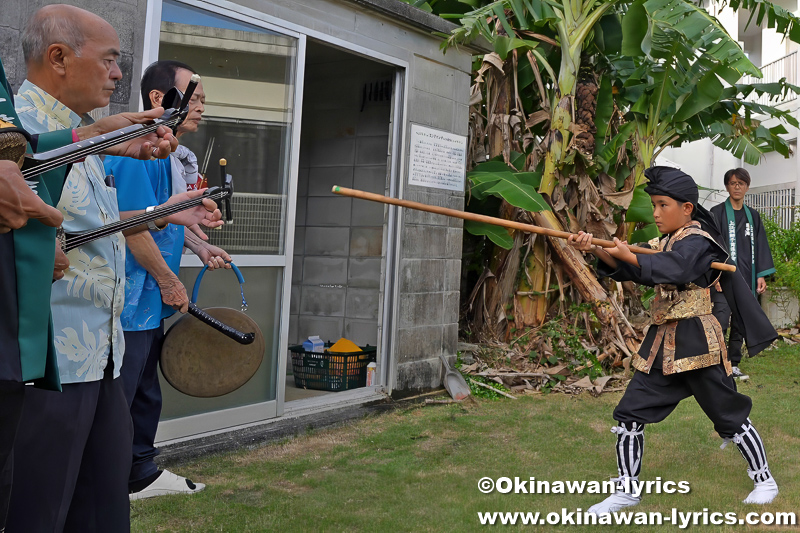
(683,353)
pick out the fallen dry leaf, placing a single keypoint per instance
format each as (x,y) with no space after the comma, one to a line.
(558,369)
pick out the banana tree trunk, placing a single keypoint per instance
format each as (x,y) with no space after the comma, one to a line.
(557,144)
(645,147)
(580,274)
(532,301)
(572,261)
(535,303)
(504,263)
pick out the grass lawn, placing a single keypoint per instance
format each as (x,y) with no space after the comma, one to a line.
(417,468)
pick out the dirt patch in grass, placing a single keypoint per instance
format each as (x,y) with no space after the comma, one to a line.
(250,498)
(305,445)
(430,441)
(779,435)
(180,524)
(600,426)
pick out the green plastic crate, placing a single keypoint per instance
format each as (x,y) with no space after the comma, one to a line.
(331,371)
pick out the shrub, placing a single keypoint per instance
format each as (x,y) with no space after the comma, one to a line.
(785,247)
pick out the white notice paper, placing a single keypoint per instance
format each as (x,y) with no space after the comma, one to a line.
(438,159)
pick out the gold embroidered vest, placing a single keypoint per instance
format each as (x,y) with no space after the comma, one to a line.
(670,306)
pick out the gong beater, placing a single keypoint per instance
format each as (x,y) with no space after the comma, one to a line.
(200,361)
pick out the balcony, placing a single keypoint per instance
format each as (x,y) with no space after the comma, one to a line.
(777,205)
(785,67)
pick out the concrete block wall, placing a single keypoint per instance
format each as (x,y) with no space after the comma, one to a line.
(430,276)
(430,264)
(781,307)
(336,279)
(126,16)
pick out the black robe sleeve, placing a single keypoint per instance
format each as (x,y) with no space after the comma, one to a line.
(763,263)
(689,261)
(746,313)
(721,222)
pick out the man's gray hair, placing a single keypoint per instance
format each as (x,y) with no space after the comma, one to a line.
(44,30)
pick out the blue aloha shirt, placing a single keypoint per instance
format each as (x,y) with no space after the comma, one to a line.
(87,303)
(141,184)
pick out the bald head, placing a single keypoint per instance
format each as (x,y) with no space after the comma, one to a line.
(72,54)
(53,24)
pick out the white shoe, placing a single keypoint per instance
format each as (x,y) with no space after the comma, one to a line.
(165,484)
(615,502)
(738,374)
(763,493)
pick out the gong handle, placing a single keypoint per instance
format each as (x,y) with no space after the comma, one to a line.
(233,333)
(196,288)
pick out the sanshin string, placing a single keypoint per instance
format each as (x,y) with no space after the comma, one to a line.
(96,147)
(78,239)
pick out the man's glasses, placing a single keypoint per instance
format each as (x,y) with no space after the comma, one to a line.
(737,185)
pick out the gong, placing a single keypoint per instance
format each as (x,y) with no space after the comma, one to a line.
(203,358)
(200,361)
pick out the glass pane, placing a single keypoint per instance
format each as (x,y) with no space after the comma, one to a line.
(221,289)
(248,76)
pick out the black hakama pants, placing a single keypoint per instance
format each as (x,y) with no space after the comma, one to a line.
(650,398)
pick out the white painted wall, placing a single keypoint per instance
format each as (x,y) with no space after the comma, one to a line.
(773,46)
(705,162)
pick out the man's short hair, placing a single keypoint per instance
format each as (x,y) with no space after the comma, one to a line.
(740,174)
(160,76)
(43,30)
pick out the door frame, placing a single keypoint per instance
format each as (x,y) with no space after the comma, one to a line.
(209,423)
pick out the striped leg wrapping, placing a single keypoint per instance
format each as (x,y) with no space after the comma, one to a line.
(752,447)
(630,444)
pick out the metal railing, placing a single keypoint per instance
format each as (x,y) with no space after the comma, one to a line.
(785,67)
(257,227)
(778,205)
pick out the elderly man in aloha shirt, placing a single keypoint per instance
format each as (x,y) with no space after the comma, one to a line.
(27,252)
(73,450)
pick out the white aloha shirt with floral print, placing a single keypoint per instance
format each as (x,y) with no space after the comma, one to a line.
(87,302)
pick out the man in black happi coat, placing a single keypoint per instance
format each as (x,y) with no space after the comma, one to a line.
(743,232)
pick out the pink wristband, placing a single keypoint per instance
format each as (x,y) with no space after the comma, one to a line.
(76,139)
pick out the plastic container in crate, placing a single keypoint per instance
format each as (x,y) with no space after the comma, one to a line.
(331,371)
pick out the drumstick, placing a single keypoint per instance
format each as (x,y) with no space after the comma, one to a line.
(228,331)
(528,228)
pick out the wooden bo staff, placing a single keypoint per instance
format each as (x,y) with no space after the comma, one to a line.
(528,228)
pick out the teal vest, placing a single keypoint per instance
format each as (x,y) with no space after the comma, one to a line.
(34,249)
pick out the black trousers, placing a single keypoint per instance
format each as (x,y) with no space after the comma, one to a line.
(72,457)
(11,401)
(735,345)
(650,398)
(139,375)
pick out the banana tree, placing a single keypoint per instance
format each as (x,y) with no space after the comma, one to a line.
(541,43)
(678,76)
(552,35)
(628,97)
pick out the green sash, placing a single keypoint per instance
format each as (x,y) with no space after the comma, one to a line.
(732,239)
(34,253)
(34,249)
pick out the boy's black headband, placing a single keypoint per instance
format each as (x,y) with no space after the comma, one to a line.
(668,181)
(672,182)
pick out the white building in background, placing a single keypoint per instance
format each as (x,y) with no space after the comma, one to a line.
(775,178)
